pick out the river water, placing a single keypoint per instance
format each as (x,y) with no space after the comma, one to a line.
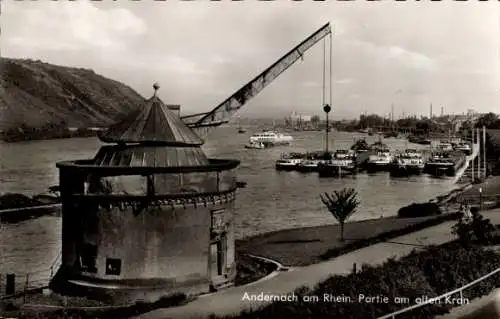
(271,201)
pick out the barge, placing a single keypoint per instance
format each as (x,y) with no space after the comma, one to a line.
(342,163)
(289,162)
(409,162)
(444,164)
(381,161)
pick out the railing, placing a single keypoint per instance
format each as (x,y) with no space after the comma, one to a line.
(436,299)
(20,284)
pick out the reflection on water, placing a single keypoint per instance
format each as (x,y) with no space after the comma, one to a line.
(272,200)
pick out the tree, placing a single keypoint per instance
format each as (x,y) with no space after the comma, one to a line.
(342,204)
(315,120)
(370,120)
(489,120)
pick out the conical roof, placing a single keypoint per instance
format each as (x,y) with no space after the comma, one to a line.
(153,124)
(150,156)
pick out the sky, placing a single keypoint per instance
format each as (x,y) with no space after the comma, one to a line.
(406,54)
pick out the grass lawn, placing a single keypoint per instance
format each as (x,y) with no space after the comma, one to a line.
(305,246)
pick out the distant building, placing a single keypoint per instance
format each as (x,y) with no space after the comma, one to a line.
(296,119)
(149,216)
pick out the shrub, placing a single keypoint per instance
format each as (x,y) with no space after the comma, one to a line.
(478,230)
(427,273)
(419,210)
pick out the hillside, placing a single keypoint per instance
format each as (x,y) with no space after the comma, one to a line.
(40,96)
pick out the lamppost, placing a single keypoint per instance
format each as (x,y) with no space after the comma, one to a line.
(327,108)
(480,198)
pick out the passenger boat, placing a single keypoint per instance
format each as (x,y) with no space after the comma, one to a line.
(343,162)
(381,161)
(409,162)
(360,146)
(440,164)
(271,138)
(289,162)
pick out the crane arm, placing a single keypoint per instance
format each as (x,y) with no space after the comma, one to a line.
(202,122)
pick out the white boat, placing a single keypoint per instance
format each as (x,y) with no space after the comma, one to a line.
(255,145)
(290,161)
(381,161)
(271,137)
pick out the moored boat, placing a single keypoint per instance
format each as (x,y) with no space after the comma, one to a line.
(440,164)
(289,162)
(391,134)
(308,166)
(381,161)
(419,140)
(343,162)
(360,145)
(445,146)
(409,162)
(312,161)
(463,147)
(256,145)
(378,146)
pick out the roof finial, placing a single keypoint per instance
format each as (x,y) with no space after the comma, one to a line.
(156,86)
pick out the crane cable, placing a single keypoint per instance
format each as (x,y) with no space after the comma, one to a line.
(324,74)
(331,71)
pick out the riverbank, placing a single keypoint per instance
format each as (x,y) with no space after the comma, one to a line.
(309,245)
(305,246)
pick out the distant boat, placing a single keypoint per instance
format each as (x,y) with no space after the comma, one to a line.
(378,147)
(289,162)
(464,147)
(445,146)
(393,134)
(241,130)
(271,137)
(256,145)
(308,165)
(419,140)
(360,145)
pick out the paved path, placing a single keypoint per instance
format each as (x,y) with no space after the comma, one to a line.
(230,301)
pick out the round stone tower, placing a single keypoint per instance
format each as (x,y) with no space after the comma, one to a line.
(150,215)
